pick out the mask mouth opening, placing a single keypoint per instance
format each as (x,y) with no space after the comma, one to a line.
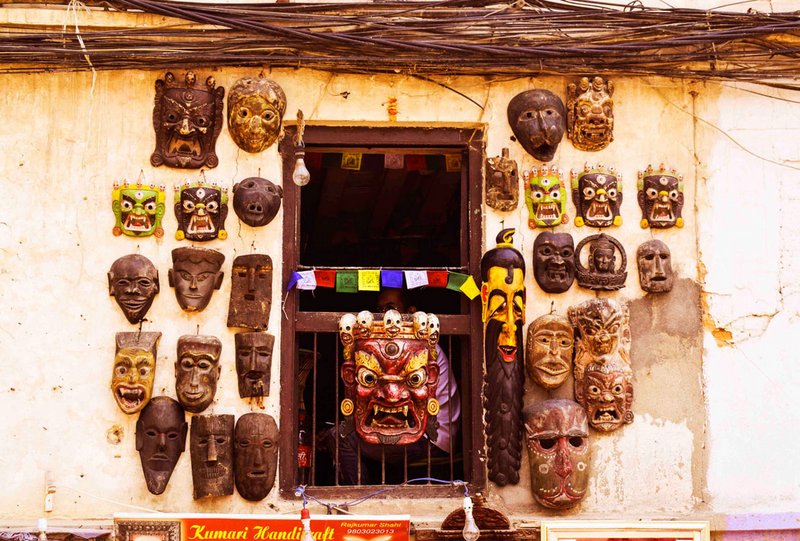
(184,145)
(130,396)
(606,415)
(383,417)
(137,222)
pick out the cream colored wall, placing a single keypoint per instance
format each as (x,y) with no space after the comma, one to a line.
(67,139)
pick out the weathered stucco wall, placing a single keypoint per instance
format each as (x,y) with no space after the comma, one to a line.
(713,431)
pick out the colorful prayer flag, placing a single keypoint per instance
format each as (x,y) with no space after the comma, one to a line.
(346,281)
(325,278)
(470,288)
(392,161)
(415,162)
(437,278)
(392,278)
(307,280)
(351,161)
(455,280)
(416,279)
(369,280)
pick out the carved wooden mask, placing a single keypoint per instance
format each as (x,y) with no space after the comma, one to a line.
(133,282)
(554,261)
(255,455)
(502,182)
(559,452)
(548,351)
(134,369)
(256,201)
(197,371)
(253,362)
(590,114)
(160,439)
(251,291)
(255,113)
(537,120)
(655,266)
(187,119)
(138,209)
(545,196)
(201,209)
(211,449)
(597,195)
(660,197)
(606,263)
(195,274)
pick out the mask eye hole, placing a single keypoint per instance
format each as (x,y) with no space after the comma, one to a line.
(547,443)
(588,193)
(366,378)
(188,206)
(576,441)
(244,113)
(212,206)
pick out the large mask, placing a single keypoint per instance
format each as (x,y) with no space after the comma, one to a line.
(134,369)
(590,114)
(597,195)
(160,440)
(255,455)
(502,182)
(256,201)
(138,209)
(548,351)
(251,291)
(660,197)
(537,120)
(655,267)
(554,261)
(133,282)
(559,452)
(390,375)
(195,274)
(606,263)
(197,371)
(187,119)
(211,449)
(201,209)
(253,363)
(255,113)
(503,299)
(545,196)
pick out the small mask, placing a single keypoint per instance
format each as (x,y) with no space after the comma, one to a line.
(390,382)
(503,299)
(537,120)
(554,261)
(660,197)
(255,113)
(606,392)
(134,369)
(655,267)
(197,371)
(559,452)
(187,120)
(138,209)
(255,455)
(545,196)
(590,114)
(201,209)
(160,440)
(195,274)
(607,262)
(597,194)
(133,282)
(548,352)
(502,184)
(256,201)
(253,363)
(211,449)
(251,292)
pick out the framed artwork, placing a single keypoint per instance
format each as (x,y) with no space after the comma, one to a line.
(654,530)
(148,530)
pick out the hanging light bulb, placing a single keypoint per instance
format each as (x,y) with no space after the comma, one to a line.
(305,518)
(470,531)
(300,175)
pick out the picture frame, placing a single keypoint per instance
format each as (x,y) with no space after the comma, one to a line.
(148,530)
(649,530)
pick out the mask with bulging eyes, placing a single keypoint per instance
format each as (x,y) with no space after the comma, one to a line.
(537,118)
(597,194)
(660,197)
(255,455)
(256,201)
(201,209)
(134,369)
(254,363)
(211,449)
(251,292)
(138,209)
(590,113)
(255,113)
(655,267)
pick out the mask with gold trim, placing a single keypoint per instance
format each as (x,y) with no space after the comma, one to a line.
(138,209)
(660,197)
(590,113)
(545,196)
(201,209)
(597,195)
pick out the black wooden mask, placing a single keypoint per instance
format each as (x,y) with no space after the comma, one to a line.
(211,448)
(655,266)
(554,261)
(251,291)
(537,118)
(160,440)
(253,362)
(195,274)
(197,371)
(256,201)
(133,282)
(255,455)
(606,263)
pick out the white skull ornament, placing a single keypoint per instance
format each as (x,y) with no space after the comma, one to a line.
(363,324)
(392,321)
(421,325)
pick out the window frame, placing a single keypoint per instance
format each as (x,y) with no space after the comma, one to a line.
(467,140)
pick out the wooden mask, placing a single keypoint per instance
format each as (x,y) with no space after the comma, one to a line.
(134,369)
(253,363)
(537,120)
(211,449)
(160,439)
(548,350)
(197,371)
(590,114)
(554,261)
(201,209)
(133,282)
(138,209)
(256,201)
(597,195)
(195,274)
(654,261)
(606,263)
(255,113)
(660,197)
(255,455)
(545,196)
(251,292)
(502,182)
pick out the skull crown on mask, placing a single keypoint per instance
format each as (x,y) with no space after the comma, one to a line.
(590,113)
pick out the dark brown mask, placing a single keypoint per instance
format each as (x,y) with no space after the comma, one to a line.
(187,119)
(251,291)
(655,267)
(211,448)
(255,455)
(256,201)
(133,282)
(197,371)
(195,274)
(537,118)
(201,209)
(160,440)
(502,182)
(253,363)
(554,261)
(606,263)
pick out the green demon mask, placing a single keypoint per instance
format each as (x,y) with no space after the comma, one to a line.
(138,209)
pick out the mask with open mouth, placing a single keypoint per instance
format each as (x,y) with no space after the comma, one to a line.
(253,362)
(655,267)
(187,119)
(160,439)
(537,119)
(390,378)
(133,282)
(251,292)
(138,209)
(197,371)
(554,261)
(597,195)
(606,392)
(502,182)
(590,113)
(201,209)
(134,369)
(545,196)
(660,197)
(255,455)
(548,351)
(559,452)
(211,449)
